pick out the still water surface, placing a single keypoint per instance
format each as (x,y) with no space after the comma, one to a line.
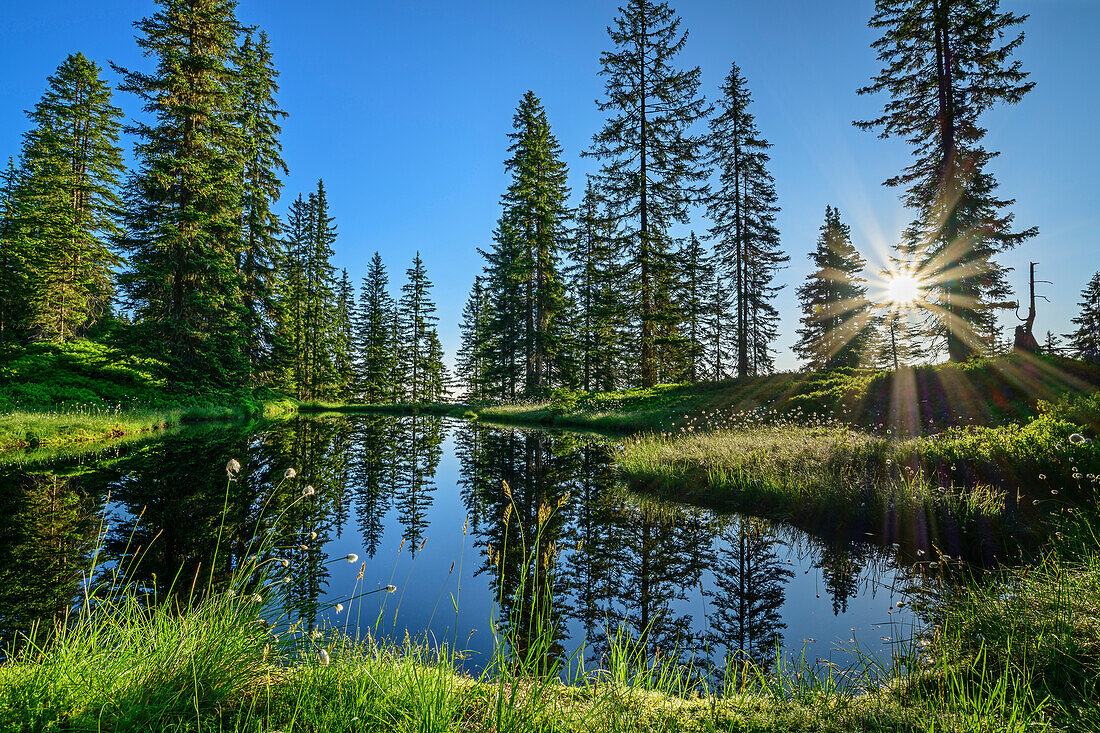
(421,500)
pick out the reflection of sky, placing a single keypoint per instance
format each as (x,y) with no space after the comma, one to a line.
(427,592)
(423,597)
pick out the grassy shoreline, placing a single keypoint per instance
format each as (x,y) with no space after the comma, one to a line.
(59,429)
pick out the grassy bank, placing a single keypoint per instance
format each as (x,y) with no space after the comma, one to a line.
(807,468)
(86,391)
(910,401)
(65,428)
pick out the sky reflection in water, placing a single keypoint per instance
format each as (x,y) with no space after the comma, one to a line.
(420,500)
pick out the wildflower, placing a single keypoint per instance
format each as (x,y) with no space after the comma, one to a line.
(287,579)
(391,588)
(313,535)
(1077,438)
(285,562)
(352,557)
(308,491)
(1043,476)
(257,598)
(289,473)
(316,634)
(323,655)
(231,593)
(339,607)
(233,468)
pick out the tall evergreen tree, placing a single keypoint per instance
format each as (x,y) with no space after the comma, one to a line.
(319,329)
(743,209)
(343,338)
(420,351)
(13,260)
(536,204)
(375,357)
(696,297)
(184,197)
(1085,341)
(69,204)
(472,355)
(290,294)
(651,171)
(261,166)
(503,344)
(311,328)
(594,285)
(945,63)
(836,312)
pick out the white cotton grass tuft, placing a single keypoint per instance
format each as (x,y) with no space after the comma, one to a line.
(287,579)
(290,473)
(285,563)
(308,491)
(339,607)
(257,598)
(1077,439)
(323,656)
(352,557)
(391,588)
(313,535)
(233,468)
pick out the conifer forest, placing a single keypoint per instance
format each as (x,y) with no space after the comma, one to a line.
(688,388)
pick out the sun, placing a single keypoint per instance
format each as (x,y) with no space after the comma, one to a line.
(903,289)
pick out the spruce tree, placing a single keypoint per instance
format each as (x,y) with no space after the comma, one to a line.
(946,63)
(1085,341)
(375,357)
(1051,343)
(836,313)
(651,171)
(319,328)
(536,205)
(261,166)
(290,295)
(420,351)
(503,345)
(343,338)
(13,261)
(743,209)
(696,298)
(472,355)
(594,285)
(183,213)
(69,204)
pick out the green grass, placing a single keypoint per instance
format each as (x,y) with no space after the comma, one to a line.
(802,467)
(59,396)
(60,429)
(910,401)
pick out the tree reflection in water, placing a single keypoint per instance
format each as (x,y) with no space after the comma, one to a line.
(567,555)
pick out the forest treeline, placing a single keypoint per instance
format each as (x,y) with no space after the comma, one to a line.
(185,259)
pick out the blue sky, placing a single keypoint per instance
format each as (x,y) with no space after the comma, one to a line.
(403,108)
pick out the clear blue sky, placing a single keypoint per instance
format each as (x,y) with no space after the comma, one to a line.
(403,108)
